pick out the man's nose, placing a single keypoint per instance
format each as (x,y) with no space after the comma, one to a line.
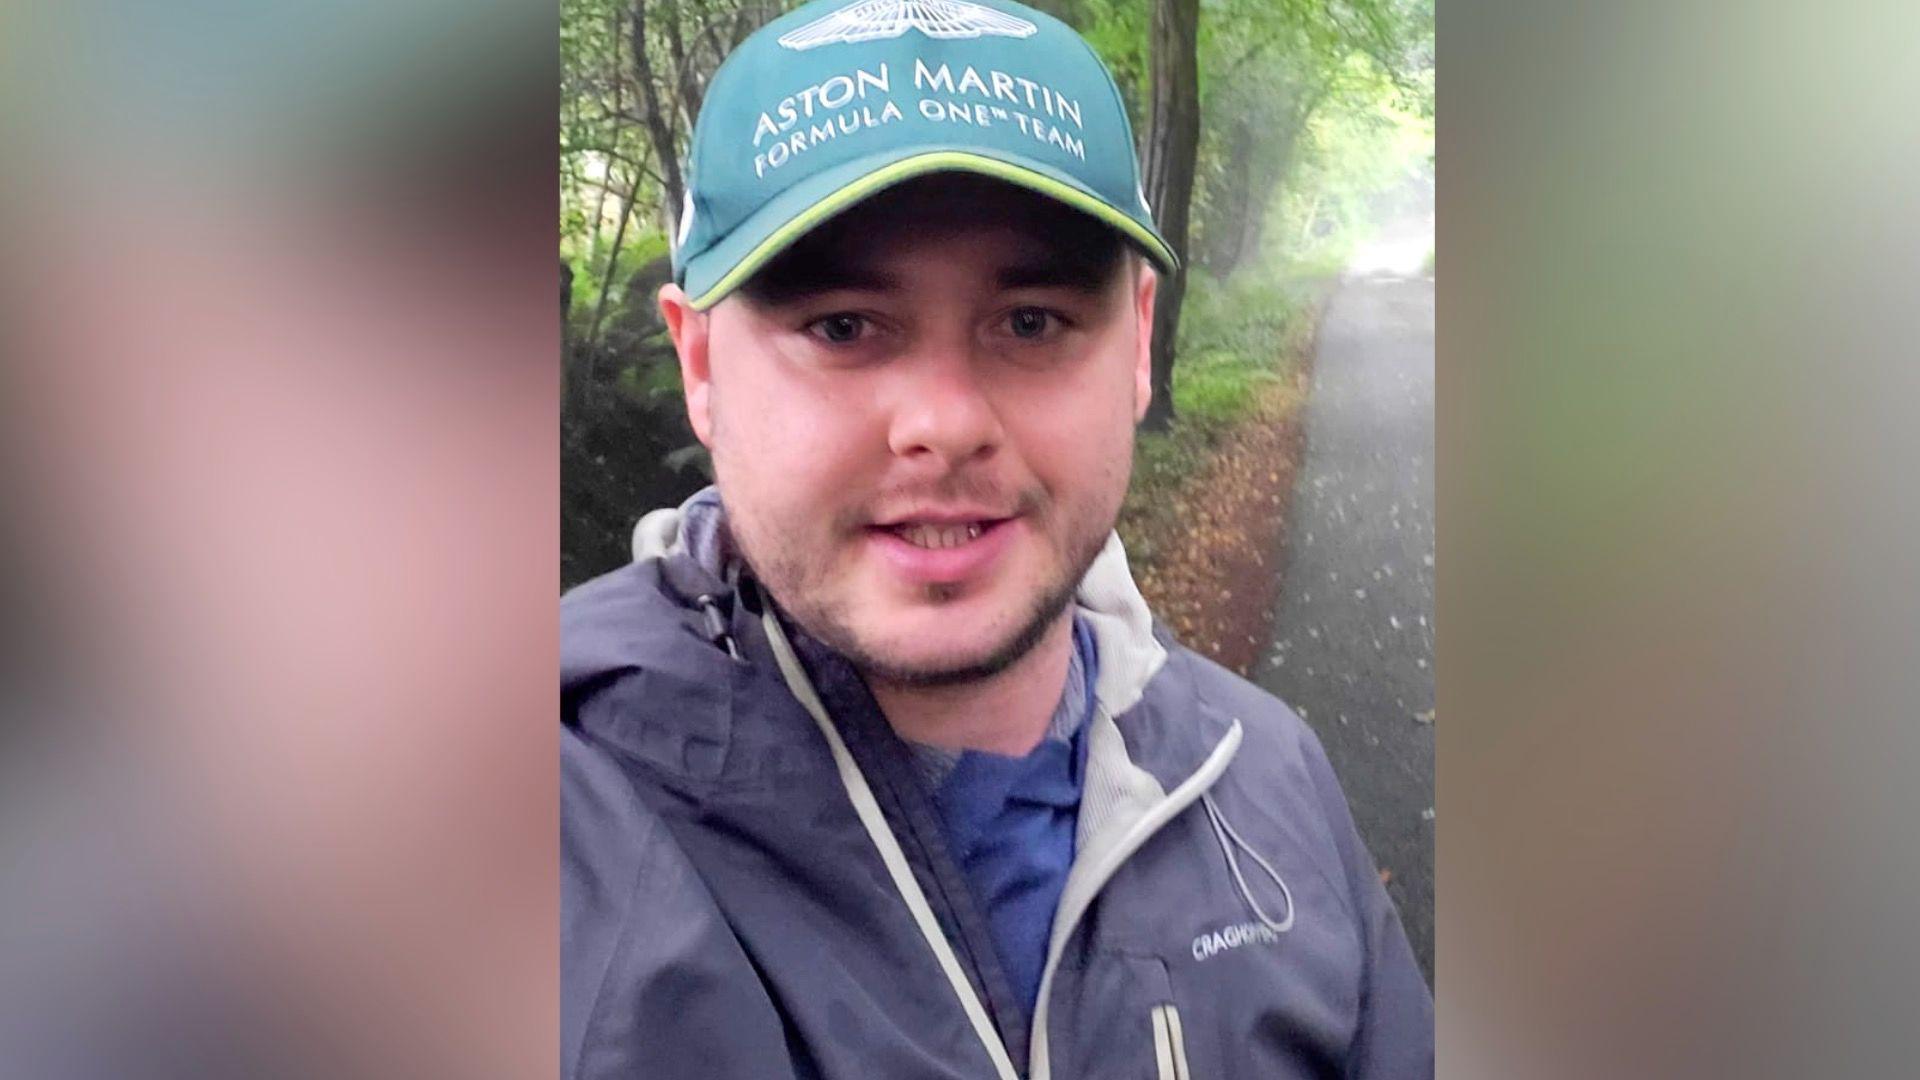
(943,412)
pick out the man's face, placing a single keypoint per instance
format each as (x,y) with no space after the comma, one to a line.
(921,420)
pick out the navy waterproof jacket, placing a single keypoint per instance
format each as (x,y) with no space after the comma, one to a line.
(754,885)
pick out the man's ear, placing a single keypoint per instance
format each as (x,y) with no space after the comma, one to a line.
(1144,291)
(688,328)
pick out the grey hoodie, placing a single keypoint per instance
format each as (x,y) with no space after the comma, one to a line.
(753,883)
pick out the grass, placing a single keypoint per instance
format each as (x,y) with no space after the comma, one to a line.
(1232,341)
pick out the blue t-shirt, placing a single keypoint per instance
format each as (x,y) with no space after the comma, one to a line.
(1009,822)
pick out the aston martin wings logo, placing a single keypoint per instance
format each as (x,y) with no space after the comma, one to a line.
(872,20)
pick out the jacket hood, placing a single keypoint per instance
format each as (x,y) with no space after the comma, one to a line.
(692,542)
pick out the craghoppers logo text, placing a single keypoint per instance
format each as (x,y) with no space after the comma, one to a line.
(1232,937)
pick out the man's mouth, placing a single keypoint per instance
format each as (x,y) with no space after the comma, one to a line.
(947,551)
(935,537)
(943,544)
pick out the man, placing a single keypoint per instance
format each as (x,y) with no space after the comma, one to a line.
(875,763)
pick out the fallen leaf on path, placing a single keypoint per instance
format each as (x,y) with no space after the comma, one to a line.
(1423,717)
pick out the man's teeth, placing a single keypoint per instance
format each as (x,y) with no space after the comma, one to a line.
(938,536)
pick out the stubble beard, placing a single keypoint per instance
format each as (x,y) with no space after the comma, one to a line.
(792,580)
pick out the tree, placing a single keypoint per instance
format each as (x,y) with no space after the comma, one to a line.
(662,113)
(1172,153)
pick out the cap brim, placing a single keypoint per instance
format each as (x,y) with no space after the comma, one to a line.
(722,268)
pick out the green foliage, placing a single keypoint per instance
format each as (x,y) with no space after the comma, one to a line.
(1117,30)
(655,385)
(640,248)
(1232,338)
(1237,340)
(1355,148)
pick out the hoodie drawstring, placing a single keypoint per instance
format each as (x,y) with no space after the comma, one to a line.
(716,624)
(1223,832)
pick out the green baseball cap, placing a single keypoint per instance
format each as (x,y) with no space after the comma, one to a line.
(840,99)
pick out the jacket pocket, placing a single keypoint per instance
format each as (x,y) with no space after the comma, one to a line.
(1169,1043)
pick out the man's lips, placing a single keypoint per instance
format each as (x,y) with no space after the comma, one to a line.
(936,552)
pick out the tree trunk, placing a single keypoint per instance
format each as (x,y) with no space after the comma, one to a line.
(1233,202)
(1270,175)
(1313,214)
(600,204)
(659,122)
(606,279)
(1173,147)
(689,92)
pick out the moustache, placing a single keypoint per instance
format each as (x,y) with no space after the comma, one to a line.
(893,503)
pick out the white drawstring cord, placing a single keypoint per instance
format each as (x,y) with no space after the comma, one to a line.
(867,808)
(1223,832)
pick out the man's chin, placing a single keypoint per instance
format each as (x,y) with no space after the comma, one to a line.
(961,640)
(951,650)
(945,660)
(934,678)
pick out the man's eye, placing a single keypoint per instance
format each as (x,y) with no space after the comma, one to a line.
(1029,322)
(838,329)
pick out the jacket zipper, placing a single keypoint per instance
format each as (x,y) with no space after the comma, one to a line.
(888,845)
(1182,796)
(1039,1067)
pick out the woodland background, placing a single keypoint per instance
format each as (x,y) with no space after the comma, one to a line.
(1272,133)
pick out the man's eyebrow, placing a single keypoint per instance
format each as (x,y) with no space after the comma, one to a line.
(788,281)
(1080,275)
